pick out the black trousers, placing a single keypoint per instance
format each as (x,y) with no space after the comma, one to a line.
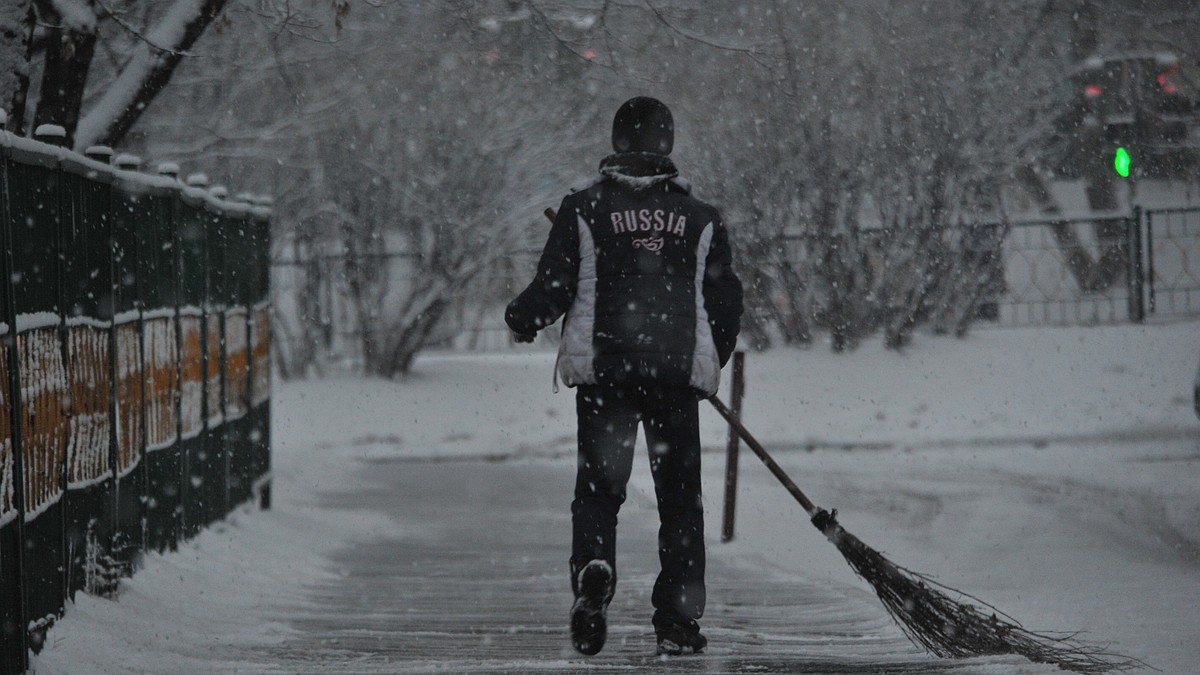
(608,420)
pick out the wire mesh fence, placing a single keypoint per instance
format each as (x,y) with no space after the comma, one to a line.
(1086,270)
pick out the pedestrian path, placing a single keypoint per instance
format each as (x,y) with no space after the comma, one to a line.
(478,584)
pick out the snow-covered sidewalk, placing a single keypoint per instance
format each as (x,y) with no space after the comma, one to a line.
(422,525)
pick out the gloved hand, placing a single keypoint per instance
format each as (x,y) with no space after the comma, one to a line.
(521,337)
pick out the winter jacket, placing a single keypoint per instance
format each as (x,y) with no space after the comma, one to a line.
(643,272)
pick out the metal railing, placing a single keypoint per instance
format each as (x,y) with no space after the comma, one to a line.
(134,381)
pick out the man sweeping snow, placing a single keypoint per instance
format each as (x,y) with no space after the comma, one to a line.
(643,272)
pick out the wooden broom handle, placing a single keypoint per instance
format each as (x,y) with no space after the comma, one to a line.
(762,454)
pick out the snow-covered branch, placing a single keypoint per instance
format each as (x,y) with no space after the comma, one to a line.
(146,73)
(132,30)
(75,15)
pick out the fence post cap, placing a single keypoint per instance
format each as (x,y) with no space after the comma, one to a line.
(218,191)
(127,161)
(169,169)
(197,180)
(55,134)
(100,153)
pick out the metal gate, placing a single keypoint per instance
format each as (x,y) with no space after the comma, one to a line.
(1172,262)
(1101,269)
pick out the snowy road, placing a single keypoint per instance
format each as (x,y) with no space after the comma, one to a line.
(482,588)
(1052,474)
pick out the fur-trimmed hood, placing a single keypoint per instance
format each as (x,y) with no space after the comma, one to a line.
(641,171)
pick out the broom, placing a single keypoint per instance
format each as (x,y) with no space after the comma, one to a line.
(924,609)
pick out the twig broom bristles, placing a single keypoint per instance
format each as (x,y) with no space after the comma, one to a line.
(924,609)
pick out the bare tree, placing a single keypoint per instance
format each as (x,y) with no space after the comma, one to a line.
(95,66)
(147,69)
(407,151)
(854,149)
(445,187)
(873,148)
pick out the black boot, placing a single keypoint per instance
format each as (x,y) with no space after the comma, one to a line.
(594,590)
(678,636)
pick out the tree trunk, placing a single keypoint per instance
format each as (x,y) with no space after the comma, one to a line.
(1091,275)
(69,51)
(797,329)
(16,37)
(411,338)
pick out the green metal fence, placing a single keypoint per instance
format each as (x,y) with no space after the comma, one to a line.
(134,379)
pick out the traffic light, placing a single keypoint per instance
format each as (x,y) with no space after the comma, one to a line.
(1122,162)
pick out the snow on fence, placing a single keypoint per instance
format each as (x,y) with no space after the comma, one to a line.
(134,392)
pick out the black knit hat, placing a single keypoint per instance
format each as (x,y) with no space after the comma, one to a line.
(643,124)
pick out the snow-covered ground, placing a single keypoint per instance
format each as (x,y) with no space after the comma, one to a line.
(1053,473)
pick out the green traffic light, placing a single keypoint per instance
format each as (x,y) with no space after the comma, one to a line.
(1122,162)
